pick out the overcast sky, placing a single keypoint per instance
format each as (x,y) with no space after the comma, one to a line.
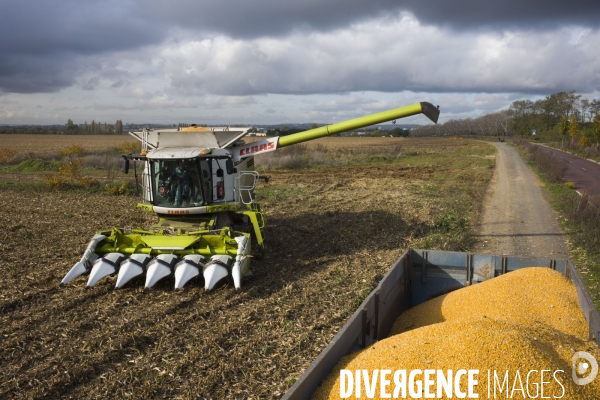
(275,61)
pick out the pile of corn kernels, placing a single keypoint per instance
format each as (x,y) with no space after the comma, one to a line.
(509,329)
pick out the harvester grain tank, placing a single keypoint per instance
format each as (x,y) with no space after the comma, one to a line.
(200,182)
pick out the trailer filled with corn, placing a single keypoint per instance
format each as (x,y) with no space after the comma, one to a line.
(439,326)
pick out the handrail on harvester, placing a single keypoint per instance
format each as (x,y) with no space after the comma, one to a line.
(428,109)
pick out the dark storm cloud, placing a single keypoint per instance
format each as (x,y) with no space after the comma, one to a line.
(89,27)
(44,44)
(469,14)
(30,74)
(241,19)
(92,26)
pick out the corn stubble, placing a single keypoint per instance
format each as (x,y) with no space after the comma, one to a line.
(332,233)
(525,320)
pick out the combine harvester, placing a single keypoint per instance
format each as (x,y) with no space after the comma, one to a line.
(200,181)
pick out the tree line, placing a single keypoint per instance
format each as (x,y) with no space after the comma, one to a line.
(394,132)
(70,128)
(285,130)
(493,124)
(95,128)
(562,113)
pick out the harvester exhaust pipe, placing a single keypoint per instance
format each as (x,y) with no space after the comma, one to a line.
(187,269)
(83,266)
(132,267)
(105,266)
(215,270)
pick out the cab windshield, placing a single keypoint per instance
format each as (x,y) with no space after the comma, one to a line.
(179,183)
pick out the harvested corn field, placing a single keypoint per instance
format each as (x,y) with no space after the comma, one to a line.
(331,233)
(39,145)
(522,321)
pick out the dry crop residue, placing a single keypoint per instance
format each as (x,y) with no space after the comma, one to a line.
(44,144)
(525,320)
(331,235)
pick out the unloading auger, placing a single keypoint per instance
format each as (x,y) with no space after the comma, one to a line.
(200,181)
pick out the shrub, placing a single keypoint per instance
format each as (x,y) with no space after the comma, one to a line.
(547,164)
(69,174)
(74,149)
(55,181)
(584,211)
(117,190)
(129,147)
(583,140)
(7,154)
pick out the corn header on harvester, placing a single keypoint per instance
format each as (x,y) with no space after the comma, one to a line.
(200,181)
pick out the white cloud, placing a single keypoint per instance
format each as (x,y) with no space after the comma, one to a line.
(392,54)
(6,113)
(304,75)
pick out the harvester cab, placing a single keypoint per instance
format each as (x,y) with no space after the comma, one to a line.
(200,182)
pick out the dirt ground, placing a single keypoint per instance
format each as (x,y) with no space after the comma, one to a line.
(331,235)
(46,144)
(516,218)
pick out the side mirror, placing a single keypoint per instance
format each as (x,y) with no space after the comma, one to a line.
(125,166)
(229,166)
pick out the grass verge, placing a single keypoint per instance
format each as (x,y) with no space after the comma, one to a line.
(580,216)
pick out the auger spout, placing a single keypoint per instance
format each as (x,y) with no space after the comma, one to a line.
(428,109)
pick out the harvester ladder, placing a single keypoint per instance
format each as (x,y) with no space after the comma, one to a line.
(146,177)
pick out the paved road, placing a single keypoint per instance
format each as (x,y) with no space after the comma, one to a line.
(583,173)
(516,219)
